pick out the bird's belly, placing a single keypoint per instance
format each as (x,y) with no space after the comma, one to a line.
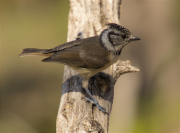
(89,72)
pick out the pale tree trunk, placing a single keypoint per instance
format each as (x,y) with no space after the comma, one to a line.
(76,114)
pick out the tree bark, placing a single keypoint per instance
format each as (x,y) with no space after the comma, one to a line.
(75,114)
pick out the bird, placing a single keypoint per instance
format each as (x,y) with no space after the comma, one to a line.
(88,56)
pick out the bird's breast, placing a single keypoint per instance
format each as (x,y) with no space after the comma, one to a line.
(89,72)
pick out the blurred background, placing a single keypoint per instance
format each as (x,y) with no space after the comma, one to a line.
(147,101)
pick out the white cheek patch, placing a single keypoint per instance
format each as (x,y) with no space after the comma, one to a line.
(108,45)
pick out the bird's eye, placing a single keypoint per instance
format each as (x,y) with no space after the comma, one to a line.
(124,36)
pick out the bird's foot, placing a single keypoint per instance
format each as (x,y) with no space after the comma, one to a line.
(97,104)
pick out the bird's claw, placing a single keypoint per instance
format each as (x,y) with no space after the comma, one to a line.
(97,104)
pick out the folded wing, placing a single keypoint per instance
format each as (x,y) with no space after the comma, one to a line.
(86,53)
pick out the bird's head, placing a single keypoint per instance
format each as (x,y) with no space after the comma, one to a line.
(115,37)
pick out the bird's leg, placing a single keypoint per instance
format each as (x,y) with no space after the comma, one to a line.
(92,100)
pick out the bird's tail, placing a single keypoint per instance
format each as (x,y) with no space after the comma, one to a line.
(36,52)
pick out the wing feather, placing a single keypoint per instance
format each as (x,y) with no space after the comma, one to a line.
(86,53)
(94,55)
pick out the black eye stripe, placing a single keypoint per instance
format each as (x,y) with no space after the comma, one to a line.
(112,33)
(110,37)
(124,36)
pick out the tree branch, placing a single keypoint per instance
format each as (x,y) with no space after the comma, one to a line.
(75,114)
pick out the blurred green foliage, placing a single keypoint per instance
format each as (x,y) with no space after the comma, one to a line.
(30,89)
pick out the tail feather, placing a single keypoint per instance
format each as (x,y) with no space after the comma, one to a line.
(34,51)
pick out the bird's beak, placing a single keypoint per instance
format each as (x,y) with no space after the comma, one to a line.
(135,38)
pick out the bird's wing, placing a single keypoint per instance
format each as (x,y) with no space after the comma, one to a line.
(87,53)
(94,55)
(67,53)
(64,46)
